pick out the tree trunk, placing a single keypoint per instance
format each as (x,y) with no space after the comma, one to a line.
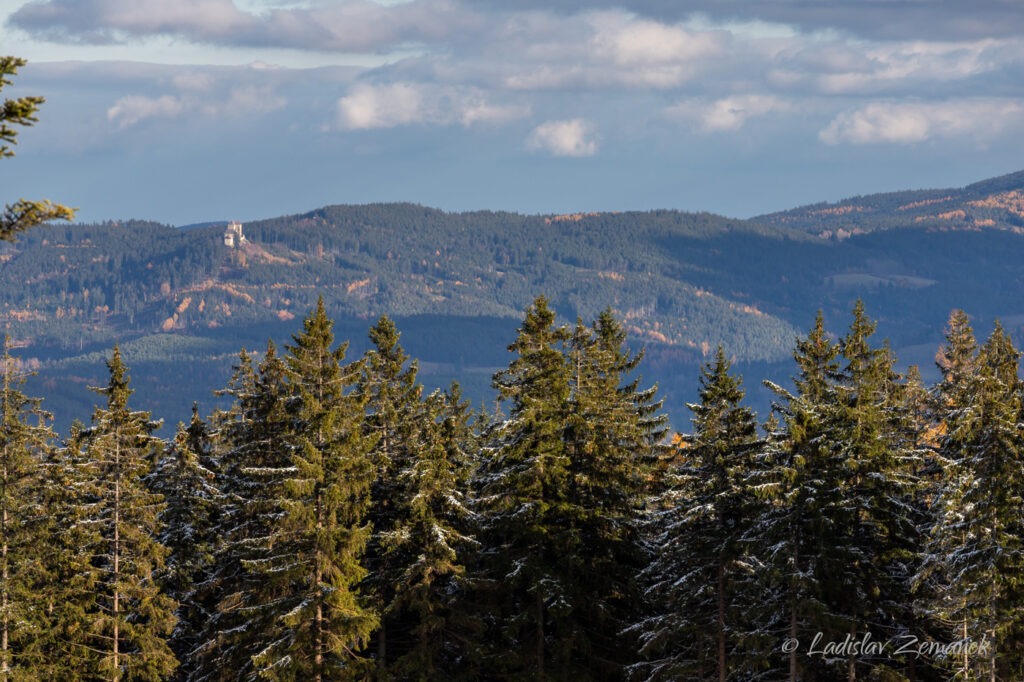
(963,542)
(117,553)
(382,637)
(966,661)
(6,668)
(794,607)
(851,664)
(540,635)
(792,636)
(318,645)
(992,633)
(721,621)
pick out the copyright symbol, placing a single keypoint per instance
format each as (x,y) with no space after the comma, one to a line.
(790,645)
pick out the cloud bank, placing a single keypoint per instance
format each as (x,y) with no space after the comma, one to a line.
(342,26)
(639,92)
(714,67)
(909,123)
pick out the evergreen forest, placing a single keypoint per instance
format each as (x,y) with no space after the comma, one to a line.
(335,520)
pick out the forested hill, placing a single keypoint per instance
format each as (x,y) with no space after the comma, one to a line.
(182,303)
(123,280)
(996,203)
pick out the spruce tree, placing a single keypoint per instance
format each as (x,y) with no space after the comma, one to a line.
(522,492)
(311,561)
(951,405)
(252,457)
(977,540)
(792,474)
(700,565)
(66,580)
(295,476)
(613,430)
(874,466)
(561,490)
(24,446)
(429,596)
(388,387)
(134,617)
(191,502)
(460,433)
(958,361)
(842,531)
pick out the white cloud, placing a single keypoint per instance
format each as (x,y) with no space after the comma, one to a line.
(599,51)
(564,138)
(731,113)
(913,122)
(844,67)
(643,42)
(476,111)
(369,106)
(387,106)
(132,109)
(727,114)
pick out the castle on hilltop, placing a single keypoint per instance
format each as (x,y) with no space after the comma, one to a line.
(233,235)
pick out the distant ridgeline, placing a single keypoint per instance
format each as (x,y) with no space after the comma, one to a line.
(681,282)
(996,203)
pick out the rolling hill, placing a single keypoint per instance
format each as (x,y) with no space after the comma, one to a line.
(182,302)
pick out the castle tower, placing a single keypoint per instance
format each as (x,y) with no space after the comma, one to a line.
(233,235)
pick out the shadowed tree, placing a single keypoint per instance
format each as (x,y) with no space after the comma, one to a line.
(522,488)
(791,473)
(191,503)
(388,387)
(613,434)
(700,572)
(434,538)
(561,491)
(250,446)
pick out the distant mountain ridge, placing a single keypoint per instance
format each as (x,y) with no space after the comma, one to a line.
(128,279)
(993,203)
(208,223)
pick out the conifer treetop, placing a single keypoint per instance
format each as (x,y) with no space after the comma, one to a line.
(816,358)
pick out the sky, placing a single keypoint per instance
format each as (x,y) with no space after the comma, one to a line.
(189,111)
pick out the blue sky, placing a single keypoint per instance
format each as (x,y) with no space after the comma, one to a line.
(197,110)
